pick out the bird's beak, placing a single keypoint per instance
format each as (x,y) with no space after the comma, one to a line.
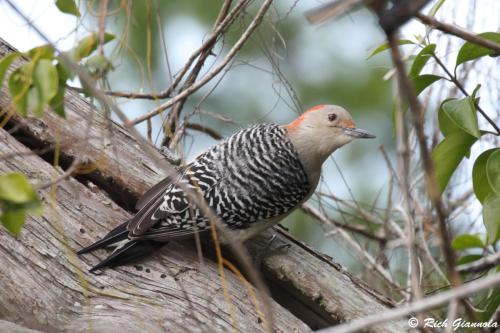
(358,133)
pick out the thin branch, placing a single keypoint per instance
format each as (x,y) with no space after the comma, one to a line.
(74,165)
(418,306)
(204,129)
(481,265)
(458,32)
(209,76)
(103,11)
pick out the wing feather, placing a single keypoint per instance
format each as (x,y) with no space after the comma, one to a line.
(159,212)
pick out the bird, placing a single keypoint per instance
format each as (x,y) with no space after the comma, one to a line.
(251,181)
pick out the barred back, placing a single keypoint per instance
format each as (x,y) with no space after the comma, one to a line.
(252,176)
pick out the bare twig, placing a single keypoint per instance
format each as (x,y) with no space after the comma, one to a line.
(458,32)
(481,265)
(209,76)
(61,177)
(331,10)
(103,11)
(418,306)
(204,129)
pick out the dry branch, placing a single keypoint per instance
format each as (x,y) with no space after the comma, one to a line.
(418,306)
(458,32)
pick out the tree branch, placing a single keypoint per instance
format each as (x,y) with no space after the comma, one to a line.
(458,32)
(481,265)
(418,306)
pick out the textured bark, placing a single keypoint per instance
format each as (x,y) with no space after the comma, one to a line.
(6,326)
(50,289)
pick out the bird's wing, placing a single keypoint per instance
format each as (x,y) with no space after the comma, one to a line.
(163,211)
(155,191)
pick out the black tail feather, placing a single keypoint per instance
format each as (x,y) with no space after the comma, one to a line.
(129,252)
(117,234)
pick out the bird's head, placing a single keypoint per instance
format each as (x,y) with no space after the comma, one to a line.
(324,128)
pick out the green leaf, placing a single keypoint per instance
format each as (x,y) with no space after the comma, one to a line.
(46,80)
(42,52)
(13,221)
(493,171)
(98,65)
(87,45)
(35,103)
(458,115)
(480,181)
(435,8)
(493,303)
(57,103)
(385,46)
(491,217)
(63,72)
(470,51)
(421,59)
(421,82)
(468,258)
(15,188)
(19,83)
(5,62)
(467,241)
(68,7)
(448,154)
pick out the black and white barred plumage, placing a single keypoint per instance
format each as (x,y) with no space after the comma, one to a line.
(253,176)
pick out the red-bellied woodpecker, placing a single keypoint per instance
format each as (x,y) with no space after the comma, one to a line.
(251,180)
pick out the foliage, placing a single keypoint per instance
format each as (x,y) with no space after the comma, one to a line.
(17,198)
(68,7)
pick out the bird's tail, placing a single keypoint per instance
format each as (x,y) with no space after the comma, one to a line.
(116,235)
(128,252)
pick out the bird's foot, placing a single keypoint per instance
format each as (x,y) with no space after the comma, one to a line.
(267,250)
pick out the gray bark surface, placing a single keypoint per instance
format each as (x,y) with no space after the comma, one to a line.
(48,287)
(6,326)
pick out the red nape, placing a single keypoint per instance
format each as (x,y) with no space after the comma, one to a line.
(294,125)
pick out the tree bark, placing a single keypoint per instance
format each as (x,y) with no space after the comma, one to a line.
(47,287)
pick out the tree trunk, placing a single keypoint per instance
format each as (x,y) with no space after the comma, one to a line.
(45,286)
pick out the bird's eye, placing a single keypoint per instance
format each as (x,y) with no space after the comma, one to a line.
(332,117)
